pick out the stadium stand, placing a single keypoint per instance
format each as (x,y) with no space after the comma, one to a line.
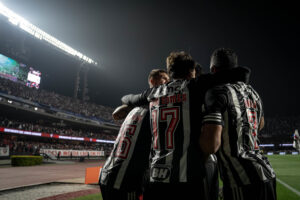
(38,111)
(57,101)
(67,131)
(48,118)
(277,135)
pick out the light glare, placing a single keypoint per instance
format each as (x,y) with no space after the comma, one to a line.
(38,33)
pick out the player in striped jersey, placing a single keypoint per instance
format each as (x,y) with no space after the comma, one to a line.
(177,170)
(123,173)
(233,117)
(296,142)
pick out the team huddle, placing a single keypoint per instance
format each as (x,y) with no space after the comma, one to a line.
(187,128)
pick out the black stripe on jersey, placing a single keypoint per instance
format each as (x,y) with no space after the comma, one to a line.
(141,154)
(178,151)
(251,170)
(194,156)
(232,138)
(232,170)
(108,176)
(233,135)
(239,161)
(185,159)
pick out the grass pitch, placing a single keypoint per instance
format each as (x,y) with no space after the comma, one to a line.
(287,168)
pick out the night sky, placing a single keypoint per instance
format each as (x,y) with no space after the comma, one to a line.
(129,38)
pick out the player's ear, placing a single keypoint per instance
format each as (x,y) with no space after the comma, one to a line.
(193,73)
(213,69)
(151,82)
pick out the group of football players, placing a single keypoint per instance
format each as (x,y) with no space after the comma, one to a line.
(187,128)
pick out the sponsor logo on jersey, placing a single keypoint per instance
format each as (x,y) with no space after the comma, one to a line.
(160,173)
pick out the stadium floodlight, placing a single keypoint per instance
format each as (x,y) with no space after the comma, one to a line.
(40,34)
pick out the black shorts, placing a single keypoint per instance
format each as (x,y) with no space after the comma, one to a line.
(176,191)
(258,191)
(109,193)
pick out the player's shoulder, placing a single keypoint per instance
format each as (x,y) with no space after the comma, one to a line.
(136,115)
(139,110)
(169,88)
(219,89)
(218,93)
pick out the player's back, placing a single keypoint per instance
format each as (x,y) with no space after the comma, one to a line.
(175,155)
(242,162)
(126,166)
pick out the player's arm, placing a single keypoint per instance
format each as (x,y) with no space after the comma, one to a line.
(262,118)
(136,99)
(212,123)
(262,123)
(210,139)
(121,112)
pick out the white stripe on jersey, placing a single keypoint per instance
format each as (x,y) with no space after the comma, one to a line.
(239,119)
(186,138)
(236,164)
(169,159)
(215,114)
(157,142)
(212,117)
(213,120)
(225,138)
(241,193)
(108,163)
(125,163)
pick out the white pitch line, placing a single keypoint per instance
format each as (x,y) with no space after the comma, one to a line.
(288,187)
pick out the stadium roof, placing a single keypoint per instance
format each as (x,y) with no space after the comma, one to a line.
(40,34)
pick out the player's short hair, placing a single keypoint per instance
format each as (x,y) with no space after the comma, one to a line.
(155,74)
(180,64)
(224,58)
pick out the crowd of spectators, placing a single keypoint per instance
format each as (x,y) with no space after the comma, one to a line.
(25,145)
(279,130)
(280,126)
(56,100)
(54,130)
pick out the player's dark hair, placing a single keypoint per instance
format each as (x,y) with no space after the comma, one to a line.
(224,58)
(156,73)
(180,64)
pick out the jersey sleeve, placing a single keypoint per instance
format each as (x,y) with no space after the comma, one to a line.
(136,99)
(215,103)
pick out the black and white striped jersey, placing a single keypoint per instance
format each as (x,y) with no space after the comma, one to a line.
(238,108)
(126,166)
(175,110)
(176,116)
(296,141)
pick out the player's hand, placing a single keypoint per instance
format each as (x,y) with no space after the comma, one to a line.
(121,112)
